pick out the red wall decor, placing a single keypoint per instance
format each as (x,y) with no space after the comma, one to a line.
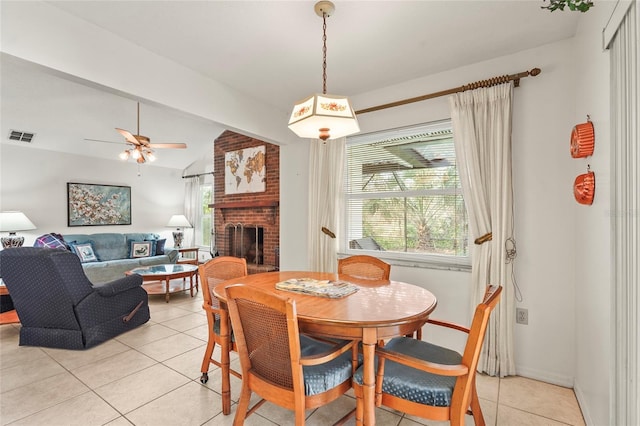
(582,139)
(584,188)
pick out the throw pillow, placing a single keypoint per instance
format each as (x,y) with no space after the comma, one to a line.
(160,246)
(84,251)
(51,240)
(140,249)
(153,246)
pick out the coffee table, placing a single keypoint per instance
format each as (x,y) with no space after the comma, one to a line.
(166,273)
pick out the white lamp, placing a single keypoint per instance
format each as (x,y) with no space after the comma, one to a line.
(11,222)
(178,221)
(320,115)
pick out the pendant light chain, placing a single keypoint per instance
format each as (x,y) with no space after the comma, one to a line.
(324,53)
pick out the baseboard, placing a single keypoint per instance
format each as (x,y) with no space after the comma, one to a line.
(545,376)
(582,403)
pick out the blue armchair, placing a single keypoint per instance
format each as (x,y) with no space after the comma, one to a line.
(60,308)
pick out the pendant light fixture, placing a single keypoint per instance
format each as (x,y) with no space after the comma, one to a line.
(320,115)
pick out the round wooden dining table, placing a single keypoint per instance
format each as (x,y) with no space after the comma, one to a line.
(378,310)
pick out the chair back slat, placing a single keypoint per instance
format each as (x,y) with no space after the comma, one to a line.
(265,334)
(364,266)
(218,270)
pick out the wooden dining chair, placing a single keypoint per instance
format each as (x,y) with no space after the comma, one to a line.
(430,381)
(363,266)
(212,273)
(371,268)
(279,364)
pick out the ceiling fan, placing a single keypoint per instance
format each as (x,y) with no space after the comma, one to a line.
(141,148)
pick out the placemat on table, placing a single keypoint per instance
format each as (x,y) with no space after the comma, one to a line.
(322,288)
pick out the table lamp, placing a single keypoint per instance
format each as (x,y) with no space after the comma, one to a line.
(178,221)
(11,222)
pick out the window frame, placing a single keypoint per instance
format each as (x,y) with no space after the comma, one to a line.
(408,259)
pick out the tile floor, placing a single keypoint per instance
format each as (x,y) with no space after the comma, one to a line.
(150,376)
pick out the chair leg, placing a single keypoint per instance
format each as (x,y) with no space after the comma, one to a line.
(476,411)
(243,406)
(208,353)
(359,405)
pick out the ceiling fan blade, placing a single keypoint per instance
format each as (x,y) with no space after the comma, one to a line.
(98,140)
(128,136)
(168,145)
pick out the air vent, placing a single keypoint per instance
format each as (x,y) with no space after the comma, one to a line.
(16,135)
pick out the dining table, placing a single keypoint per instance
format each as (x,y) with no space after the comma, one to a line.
(378,310)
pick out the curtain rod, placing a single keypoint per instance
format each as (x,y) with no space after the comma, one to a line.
(198,175)
(483,83)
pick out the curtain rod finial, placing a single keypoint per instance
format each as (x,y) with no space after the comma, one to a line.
(535,72)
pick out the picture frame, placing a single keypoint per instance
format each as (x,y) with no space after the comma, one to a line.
(245,170)
(91,204)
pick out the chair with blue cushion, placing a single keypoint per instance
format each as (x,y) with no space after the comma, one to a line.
(212,273)
(59,307)
(430,381)
(279,364)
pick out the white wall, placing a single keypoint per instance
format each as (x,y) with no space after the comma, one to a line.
(592,242)
(34,181)
(544,113)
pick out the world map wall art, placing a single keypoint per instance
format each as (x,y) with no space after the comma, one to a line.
(245,170)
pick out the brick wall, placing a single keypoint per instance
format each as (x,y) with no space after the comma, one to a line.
(266,214)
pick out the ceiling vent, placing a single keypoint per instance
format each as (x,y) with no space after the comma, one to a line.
(16,135)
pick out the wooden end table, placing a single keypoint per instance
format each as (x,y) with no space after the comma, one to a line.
(182,259)
(166,273)
(9,317)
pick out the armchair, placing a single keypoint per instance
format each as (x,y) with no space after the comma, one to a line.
(363,266)
(60,308)
(429,381)
(278,363)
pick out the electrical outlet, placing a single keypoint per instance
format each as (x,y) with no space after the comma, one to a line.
(522,316)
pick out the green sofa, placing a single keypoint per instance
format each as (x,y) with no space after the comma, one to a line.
(114,259)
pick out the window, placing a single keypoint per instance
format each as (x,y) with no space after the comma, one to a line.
(203,232)
(403,196)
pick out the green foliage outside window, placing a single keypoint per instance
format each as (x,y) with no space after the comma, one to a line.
(404,193)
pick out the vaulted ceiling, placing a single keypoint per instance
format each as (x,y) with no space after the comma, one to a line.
(269,50)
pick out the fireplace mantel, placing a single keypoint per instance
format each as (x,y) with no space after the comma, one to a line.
(272,205)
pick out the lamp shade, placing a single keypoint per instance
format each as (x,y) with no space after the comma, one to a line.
(323,116)
(15,221)
(178,221)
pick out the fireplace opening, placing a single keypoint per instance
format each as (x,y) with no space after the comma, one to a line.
(246,241)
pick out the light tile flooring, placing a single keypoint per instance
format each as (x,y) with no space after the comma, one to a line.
(150,376)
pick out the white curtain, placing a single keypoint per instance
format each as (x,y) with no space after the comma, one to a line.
(192,209)
(625,219)
(326,162)
(481,121)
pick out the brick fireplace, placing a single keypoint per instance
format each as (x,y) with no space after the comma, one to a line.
(248,224)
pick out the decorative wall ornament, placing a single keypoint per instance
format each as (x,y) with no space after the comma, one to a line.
(94,205)
(245,170)
(582,139)
(584,187)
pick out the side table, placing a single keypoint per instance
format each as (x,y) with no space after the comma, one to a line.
(9,317)
(190,259)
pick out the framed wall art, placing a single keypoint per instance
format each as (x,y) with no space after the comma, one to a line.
(98,205)
(245,170)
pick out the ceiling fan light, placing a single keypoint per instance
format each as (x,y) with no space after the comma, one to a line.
(124,155)
(151,157)
(136,154)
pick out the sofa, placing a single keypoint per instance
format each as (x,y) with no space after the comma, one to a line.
(115,253)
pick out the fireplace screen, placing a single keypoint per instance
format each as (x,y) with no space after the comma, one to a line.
(246,241)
